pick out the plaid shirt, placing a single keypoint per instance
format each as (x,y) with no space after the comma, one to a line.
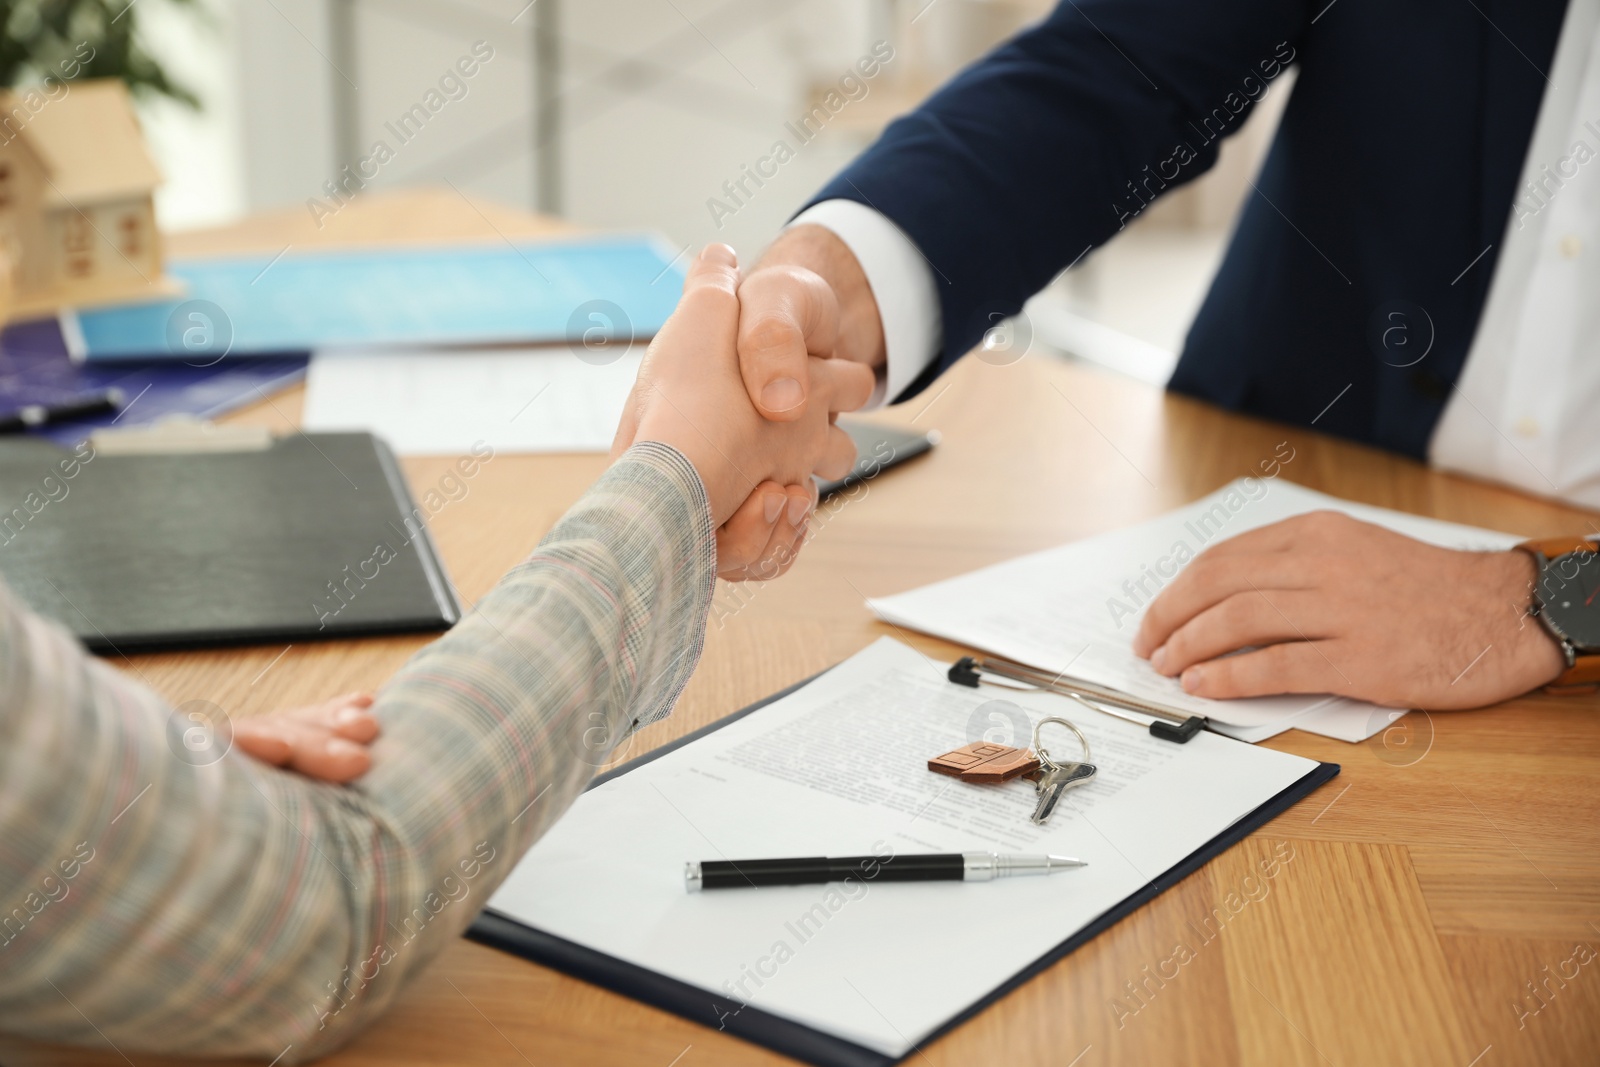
(228,908)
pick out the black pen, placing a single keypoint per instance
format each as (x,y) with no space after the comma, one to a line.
(31,415)
(930,867)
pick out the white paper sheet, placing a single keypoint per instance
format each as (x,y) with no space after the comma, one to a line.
(443,402)
(840,769)
(1062,609)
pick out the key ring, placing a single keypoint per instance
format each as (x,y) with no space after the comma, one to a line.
(1044,756)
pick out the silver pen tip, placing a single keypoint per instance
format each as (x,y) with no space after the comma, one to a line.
(1067,861)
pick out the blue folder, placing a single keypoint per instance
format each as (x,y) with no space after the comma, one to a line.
(583,290)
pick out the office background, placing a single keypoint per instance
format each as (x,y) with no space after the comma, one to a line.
(629,114)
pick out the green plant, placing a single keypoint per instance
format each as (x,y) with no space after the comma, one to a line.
(71,39)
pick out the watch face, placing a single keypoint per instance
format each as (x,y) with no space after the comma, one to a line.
(1569,596)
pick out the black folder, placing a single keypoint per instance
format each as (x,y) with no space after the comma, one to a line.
(312,536)
(786,1036)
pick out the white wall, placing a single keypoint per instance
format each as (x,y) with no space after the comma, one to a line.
(200,152)
(284,82)
(657,112)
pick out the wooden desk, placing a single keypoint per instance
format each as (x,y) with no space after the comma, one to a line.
(1451,864)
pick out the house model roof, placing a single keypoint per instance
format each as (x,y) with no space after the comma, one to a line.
(88,142)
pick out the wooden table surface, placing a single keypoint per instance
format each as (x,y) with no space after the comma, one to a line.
(1442,905)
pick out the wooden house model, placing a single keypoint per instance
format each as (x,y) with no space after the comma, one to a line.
(77,220)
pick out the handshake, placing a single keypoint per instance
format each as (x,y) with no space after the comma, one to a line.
(742,381)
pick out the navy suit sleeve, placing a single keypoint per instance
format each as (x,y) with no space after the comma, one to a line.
(1056,140)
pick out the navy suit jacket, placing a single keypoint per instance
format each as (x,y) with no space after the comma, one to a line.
(1395,166)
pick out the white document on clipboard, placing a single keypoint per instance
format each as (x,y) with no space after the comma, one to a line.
(1075,609)
(839,768)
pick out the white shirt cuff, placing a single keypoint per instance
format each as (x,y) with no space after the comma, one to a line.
(901,282)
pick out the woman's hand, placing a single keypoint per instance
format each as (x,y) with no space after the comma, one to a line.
(690,394)
(326,741)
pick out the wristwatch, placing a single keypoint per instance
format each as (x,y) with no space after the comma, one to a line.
(1566,599)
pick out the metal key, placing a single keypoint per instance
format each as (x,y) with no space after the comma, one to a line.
(1054,780)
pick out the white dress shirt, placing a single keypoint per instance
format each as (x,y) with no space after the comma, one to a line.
(1526,409)
(902,283)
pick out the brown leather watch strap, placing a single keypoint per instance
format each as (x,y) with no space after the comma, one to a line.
(1583,678)
(1556,547)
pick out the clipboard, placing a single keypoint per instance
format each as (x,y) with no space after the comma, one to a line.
(795,1039)
(191,535)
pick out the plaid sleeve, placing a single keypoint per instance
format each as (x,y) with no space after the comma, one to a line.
(160,899)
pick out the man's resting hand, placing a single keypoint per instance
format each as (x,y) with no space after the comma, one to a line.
(1328,604)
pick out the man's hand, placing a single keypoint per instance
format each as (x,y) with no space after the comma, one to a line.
(327,741)
(807,297)
(757,473)
(1333,605)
